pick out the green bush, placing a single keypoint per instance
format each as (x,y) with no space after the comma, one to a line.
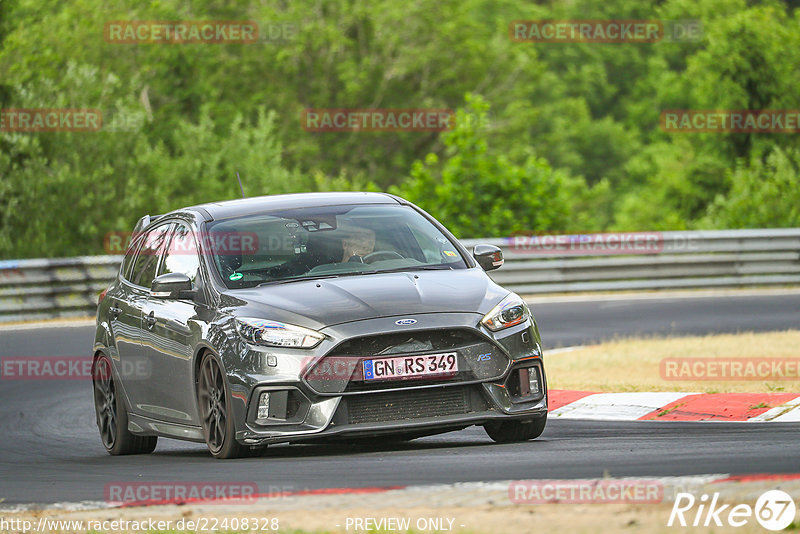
(763,194)
(481,194)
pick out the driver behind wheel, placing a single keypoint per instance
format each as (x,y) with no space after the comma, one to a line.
(357,243)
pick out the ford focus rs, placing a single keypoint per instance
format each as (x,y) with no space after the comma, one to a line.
(305,317)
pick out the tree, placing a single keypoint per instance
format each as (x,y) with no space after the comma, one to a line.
(482,194)
(763,194)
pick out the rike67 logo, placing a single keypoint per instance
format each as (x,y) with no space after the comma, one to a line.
(774,510)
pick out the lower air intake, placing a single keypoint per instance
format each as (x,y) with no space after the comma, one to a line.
(405,405)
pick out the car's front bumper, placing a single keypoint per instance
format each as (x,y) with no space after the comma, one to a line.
(314,412)
(430,425)
(417,410)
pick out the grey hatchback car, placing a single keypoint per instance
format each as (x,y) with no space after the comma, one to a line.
(313,316)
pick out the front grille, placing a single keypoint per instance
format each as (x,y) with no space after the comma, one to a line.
(418,341)
(341,370)
(405,405)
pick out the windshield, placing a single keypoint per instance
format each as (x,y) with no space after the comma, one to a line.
(325,242)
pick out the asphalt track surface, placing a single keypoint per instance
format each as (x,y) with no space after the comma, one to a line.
(50,451)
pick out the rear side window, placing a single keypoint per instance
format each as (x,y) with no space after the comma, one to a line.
(127,261)
(146,264)
(180,255)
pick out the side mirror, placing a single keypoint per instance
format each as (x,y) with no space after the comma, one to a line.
(489,257)
(172,285)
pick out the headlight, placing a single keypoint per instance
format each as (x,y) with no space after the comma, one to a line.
(511,310)
(275,334)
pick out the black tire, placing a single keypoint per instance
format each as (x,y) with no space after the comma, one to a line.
(214,400)
(112,415)
(510,431)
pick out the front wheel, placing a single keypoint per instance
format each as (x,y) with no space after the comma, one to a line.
(510,431)
(112,416)
(216,411)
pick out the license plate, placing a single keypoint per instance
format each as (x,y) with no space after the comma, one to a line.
(411,366)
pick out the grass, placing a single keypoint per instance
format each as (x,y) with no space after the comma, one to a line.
(634,364)
(662,413)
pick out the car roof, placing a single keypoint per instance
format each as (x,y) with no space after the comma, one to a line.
(245,206)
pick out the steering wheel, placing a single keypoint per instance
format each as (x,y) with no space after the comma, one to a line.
(381,255)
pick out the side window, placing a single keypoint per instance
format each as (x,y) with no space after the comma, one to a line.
(144,268)
(181,254)
(127,261)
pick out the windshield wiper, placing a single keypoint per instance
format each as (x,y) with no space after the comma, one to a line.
(355,273)
(302,278)
(411,268)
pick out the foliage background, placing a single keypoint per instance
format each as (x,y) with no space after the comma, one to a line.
(551,137)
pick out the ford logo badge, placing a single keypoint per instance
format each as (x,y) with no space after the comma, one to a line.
(404,322)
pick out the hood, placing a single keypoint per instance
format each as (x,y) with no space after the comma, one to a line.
(320,303)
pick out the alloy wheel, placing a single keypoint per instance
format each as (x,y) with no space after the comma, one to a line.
(211,393)
(105,399)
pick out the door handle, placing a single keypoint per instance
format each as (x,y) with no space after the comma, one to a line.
(151,321)
(114,311)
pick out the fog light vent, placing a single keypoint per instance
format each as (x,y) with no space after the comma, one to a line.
(533,381)
(263,407)
(525,384)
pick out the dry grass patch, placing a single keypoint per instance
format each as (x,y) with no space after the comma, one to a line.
(634,364)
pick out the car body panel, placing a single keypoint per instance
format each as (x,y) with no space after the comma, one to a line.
(321,303)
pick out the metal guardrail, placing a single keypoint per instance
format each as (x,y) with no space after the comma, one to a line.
(670,260)
(68,287)
(52,288)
